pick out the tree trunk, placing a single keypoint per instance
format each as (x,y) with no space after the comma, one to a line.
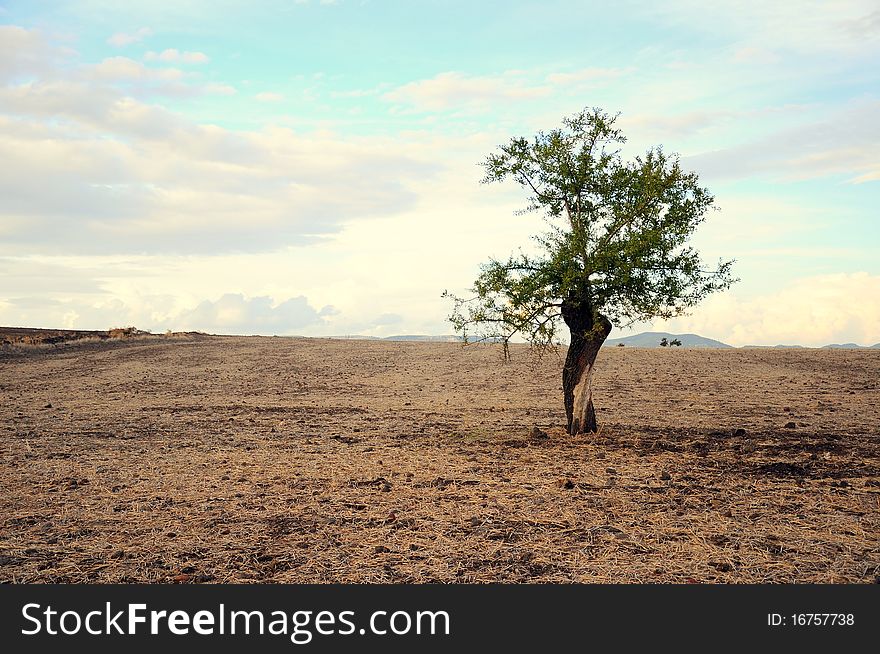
(588,331)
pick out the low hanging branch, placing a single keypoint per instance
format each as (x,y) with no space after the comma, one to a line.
(615,251)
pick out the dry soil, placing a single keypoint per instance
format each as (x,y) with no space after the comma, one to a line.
(224,459)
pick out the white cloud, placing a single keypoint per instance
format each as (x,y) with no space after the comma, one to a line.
(843,142)
(865,27)
(812,311)
(219,89)
(453,90)
(676,125)
(805,27)
(129,177)
(121,39)
(867,177)
(26,53)
(268,96)
(233,313)
(174,55)
(585,77)
(756,55)
(27,277)
(123,69)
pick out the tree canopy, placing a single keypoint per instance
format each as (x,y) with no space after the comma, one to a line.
(616,243)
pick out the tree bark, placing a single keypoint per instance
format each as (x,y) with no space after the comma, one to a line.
(589,329)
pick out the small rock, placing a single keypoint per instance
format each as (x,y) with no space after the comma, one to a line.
(611,471)
(48,406)
(567,484)
(790,425)
(386,487)
(739,432)
(536,432)
(787,409)
(665,476)
(380,549)
(181,579)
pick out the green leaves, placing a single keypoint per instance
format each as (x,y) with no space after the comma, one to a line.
(617,237)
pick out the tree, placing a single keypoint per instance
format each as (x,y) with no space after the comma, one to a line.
(675,343)
(664,342)
(615,251)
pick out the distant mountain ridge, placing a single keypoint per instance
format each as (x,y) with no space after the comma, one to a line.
(652,339)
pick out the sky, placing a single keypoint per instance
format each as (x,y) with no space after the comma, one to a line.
(312,167)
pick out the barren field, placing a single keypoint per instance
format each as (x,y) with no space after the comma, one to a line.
(224,459)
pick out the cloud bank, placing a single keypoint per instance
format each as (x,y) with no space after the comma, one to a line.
(90,163)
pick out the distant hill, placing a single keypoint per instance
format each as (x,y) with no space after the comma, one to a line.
(652,339)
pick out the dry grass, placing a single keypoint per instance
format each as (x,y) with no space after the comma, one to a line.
(291,460)
(20,340)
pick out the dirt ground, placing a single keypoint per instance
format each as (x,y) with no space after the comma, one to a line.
(194,459)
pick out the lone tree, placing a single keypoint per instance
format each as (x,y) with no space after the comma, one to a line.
(615,252)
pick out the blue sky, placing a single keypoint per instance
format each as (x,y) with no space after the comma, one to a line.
(311,167)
